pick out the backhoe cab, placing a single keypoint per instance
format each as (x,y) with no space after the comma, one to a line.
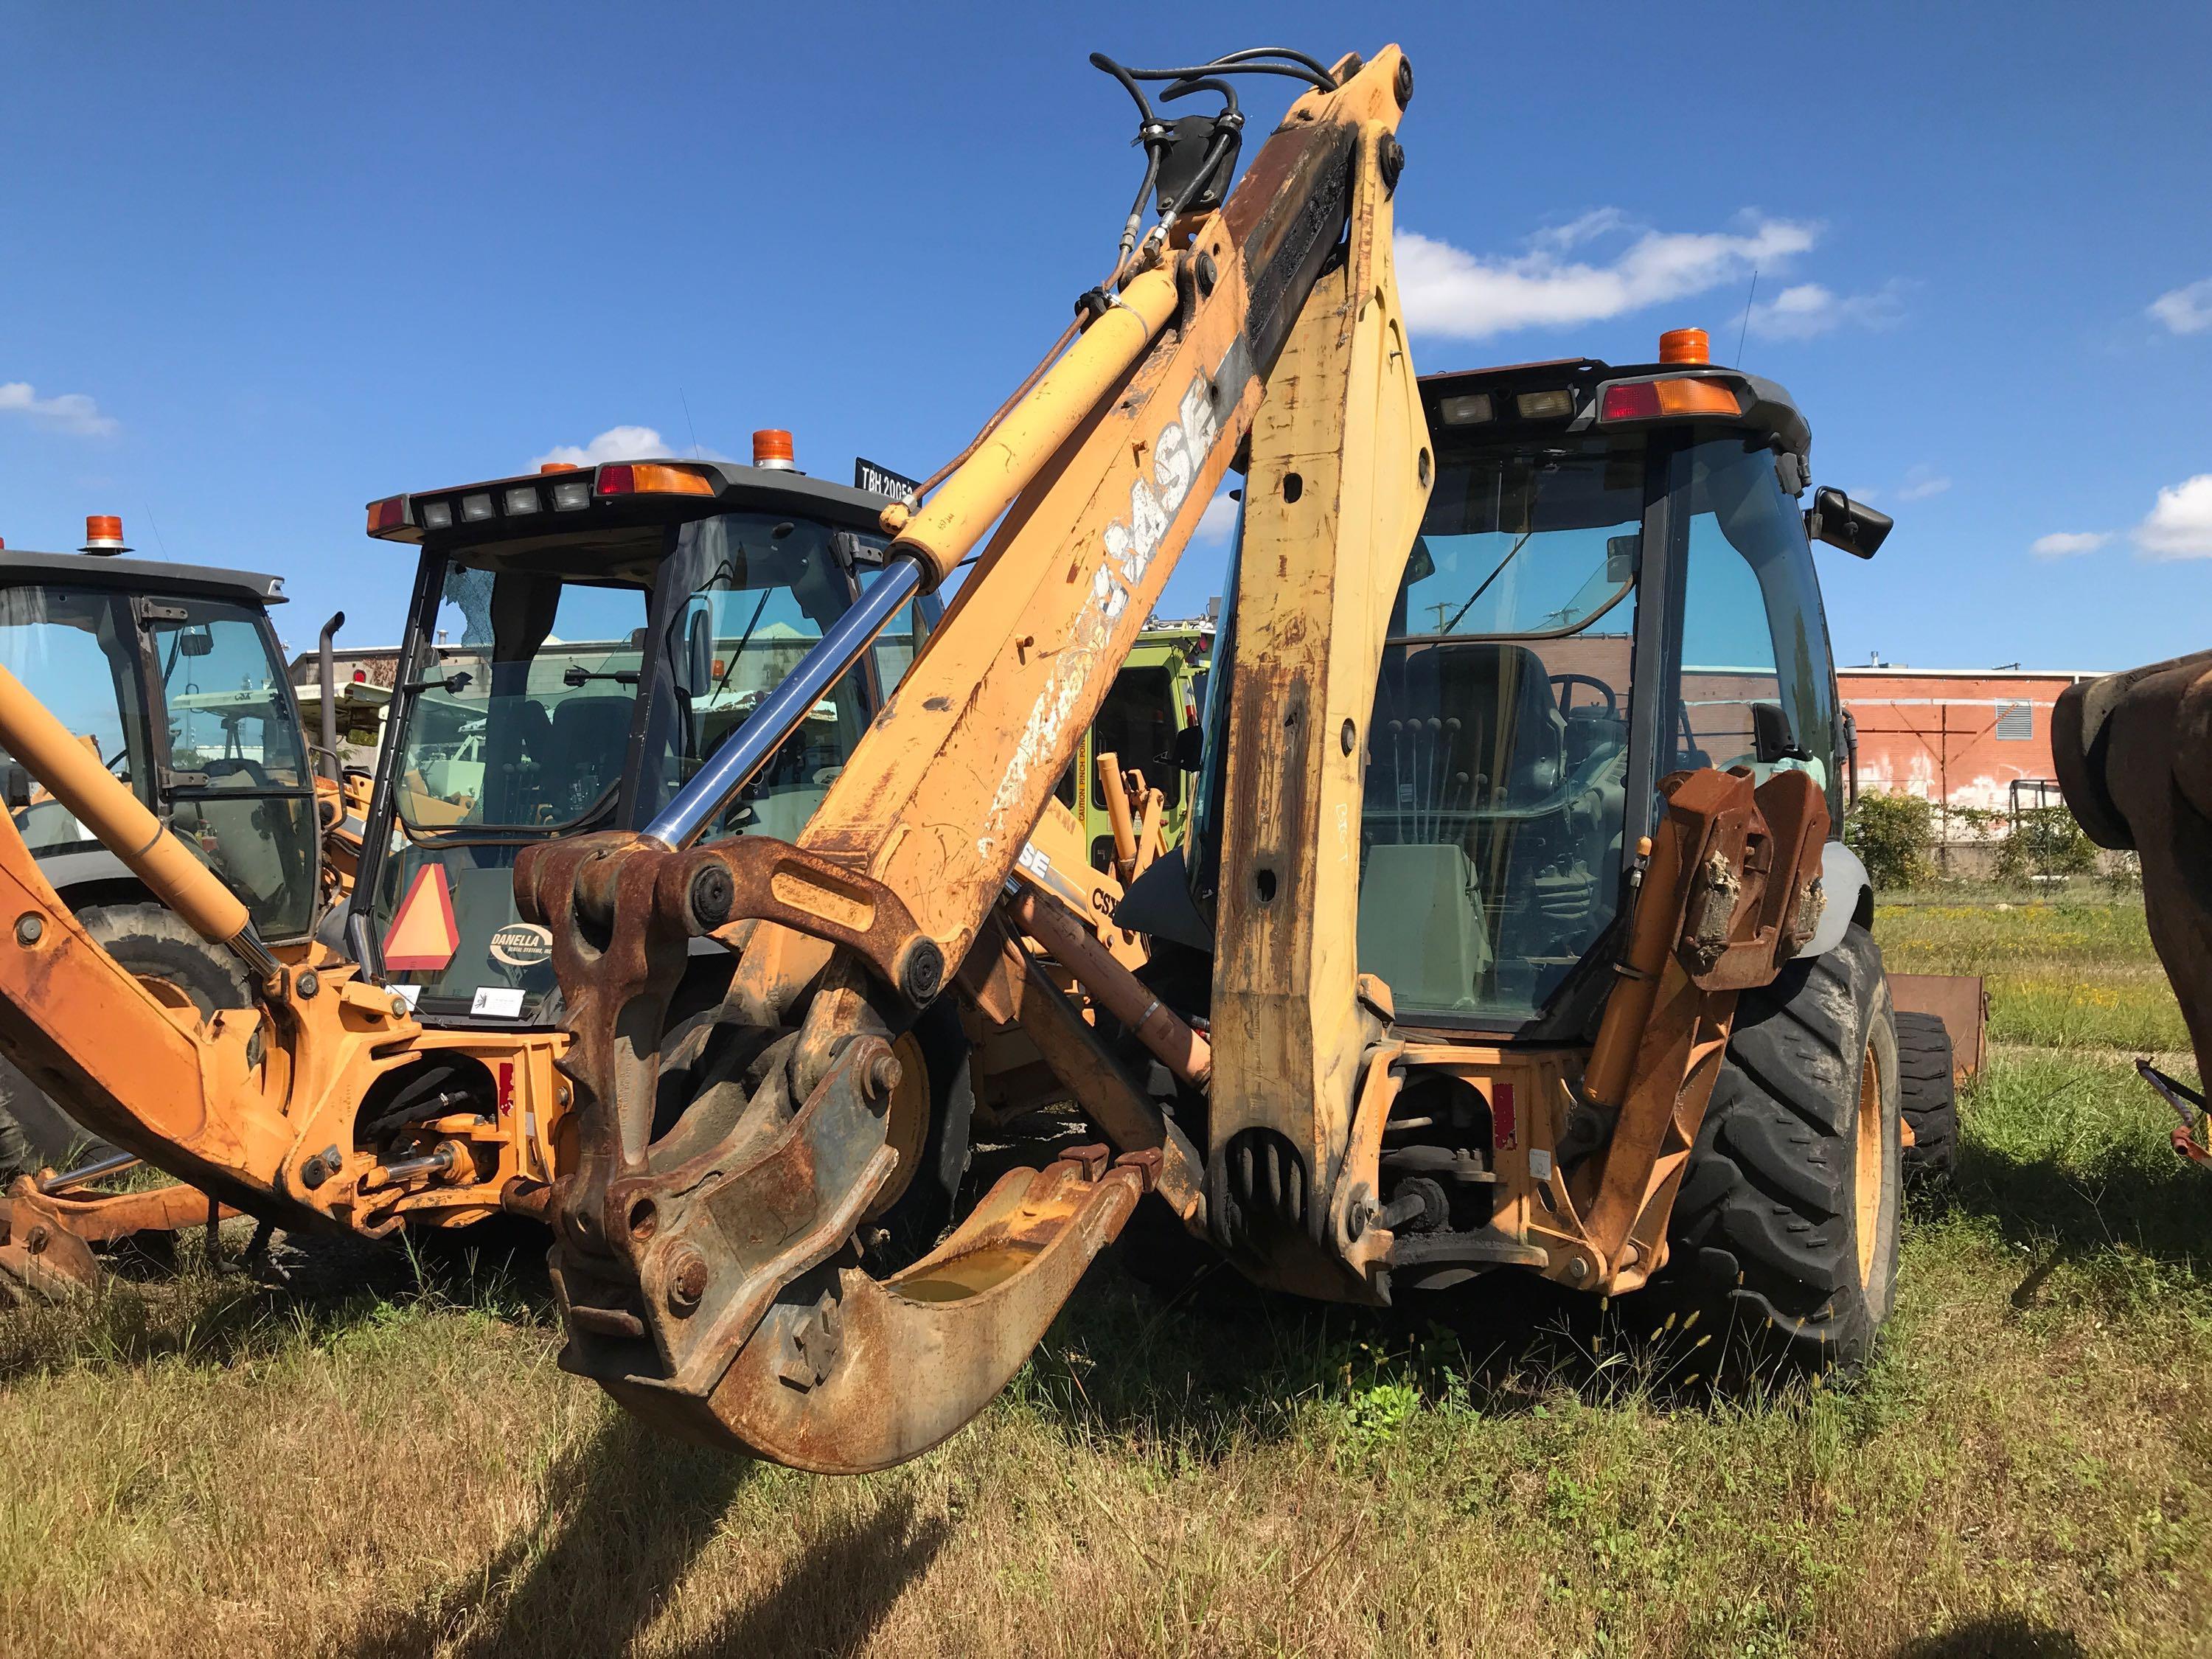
(170,676)
(1584,517)
(1593,794)
(580,641)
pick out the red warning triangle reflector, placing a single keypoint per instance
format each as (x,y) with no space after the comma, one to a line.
(423,937)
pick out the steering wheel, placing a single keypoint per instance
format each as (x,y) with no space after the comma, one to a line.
(1612,697)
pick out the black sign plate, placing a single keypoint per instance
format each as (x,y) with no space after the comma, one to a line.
(882,481)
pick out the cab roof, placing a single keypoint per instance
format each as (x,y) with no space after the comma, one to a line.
(1767,407)
(21,567)
(620,495)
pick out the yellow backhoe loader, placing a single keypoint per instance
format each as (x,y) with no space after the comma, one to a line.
(1509,932)
(578,642)
(169,676)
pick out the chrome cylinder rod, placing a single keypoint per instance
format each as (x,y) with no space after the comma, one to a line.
(779,713)
(112,1163)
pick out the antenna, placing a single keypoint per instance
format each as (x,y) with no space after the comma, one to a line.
(158,538)
(1746,329)
(688,427)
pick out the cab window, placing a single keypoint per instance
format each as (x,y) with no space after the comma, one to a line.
(1136,723)
(1757,688)
(525,721)
(235,776)
(75,648)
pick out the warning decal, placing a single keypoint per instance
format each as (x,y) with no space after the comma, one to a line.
(423,937)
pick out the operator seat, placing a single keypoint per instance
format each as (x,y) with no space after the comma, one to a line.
(589,741)
(1511,731)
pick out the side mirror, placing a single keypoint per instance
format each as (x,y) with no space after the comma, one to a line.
(196,641)
(1187,749)
(1838,520)
(1770,737)
(16,781)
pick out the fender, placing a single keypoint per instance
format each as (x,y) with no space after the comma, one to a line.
(1848,890)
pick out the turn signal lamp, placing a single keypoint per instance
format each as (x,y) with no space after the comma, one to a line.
(1685,345)
(386,515)
(772,450)
(1472,409)
(652,478)
(1649,400)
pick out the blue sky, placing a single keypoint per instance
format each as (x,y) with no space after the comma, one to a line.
(262,265)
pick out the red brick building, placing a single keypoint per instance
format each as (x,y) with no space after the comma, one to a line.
(1959,737)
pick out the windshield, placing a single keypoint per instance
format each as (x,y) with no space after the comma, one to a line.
(761,590)
(75,648)
(524,713)
(1497,760)
(1540,540)
(228,772)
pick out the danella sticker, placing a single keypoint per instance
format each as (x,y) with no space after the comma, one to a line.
(521,944)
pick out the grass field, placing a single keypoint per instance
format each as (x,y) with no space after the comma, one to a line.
(383,1460)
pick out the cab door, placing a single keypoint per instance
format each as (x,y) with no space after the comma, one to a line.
(229,764)
(1753,684)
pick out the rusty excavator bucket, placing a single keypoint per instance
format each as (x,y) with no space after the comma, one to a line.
(48,1224)
(717,1259)
(2133,752)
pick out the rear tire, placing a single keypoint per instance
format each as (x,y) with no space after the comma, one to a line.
(1928,1098)
(1783,1242)
(156,946)
(150,942)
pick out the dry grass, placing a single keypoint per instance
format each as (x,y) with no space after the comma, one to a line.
(385,1461)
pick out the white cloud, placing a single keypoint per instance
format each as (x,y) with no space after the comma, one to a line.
(1448,291)
(71,412)
(1806,309)
(1922,481)
(2187,310)
(2179,525)
(2065,543)
(616,443)
(1215,524)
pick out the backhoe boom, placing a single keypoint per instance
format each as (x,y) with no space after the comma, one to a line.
(710,1268)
